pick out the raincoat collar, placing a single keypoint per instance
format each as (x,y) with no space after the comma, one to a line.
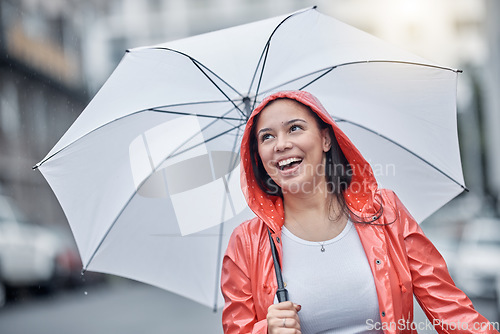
(361,196)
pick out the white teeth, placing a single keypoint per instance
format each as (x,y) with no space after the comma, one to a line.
(288,161)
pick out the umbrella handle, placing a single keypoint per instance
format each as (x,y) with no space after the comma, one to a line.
(282,293)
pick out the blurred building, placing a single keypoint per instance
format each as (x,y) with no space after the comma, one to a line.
(492,102)
(41,92)
(130,23)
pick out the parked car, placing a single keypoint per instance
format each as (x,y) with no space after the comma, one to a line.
(30,255)
(478,258)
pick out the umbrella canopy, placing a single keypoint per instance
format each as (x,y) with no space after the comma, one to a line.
(148,175)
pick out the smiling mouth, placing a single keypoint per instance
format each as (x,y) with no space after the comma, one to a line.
(288,163)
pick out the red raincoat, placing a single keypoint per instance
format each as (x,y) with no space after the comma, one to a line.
(403,261)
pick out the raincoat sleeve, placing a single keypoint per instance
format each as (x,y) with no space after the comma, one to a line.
(445,305)
(239,315)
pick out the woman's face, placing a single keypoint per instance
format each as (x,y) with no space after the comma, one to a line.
(291,146)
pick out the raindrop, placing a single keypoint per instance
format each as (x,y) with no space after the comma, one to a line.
(83,276)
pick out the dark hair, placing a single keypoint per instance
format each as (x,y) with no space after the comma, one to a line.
(338,171)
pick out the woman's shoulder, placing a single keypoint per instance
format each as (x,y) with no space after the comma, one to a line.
(388,196)
(244,233)
(390,201)
(395,213)
(246,240)
(249,226)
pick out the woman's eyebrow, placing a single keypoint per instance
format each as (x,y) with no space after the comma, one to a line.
(284,124)
(263,130)
(295,120)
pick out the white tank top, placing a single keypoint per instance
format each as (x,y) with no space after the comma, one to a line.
(335,287)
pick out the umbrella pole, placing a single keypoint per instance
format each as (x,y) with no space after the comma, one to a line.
(282,293)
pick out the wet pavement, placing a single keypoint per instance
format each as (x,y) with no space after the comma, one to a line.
(123,307)
(127,307)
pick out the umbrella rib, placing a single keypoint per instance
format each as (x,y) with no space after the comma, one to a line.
(135,193)
(329,69)
(326,70)
(219,246)
(204,142)
(198,65)
(222,117)
(235,161)
(260,77)
(177,235)
(340,120)
(231,166)
(198,62)
(217,76)
(193,114)
(191,104)
(317,78)
(203,129)
(264,52)
(132,114)
(218,267)
(266,49)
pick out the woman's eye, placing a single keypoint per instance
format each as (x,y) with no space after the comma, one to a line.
(265,137)
(294,128)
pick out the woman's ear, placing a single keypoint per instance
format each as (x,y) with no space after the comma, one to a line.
(326,139)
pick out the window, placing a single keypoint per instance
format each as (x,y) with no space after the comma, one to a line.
(10,122)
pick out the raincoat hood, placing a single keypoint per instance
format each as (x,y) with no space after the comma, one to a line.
(361,196)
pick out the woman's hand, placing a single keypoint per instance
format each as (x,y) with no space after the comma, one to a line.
(283,318)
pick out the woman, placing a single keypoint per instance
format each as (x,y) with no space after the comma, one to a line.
(351,254)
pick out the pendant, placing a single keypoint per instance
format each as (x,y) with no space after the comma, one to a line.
(323,248)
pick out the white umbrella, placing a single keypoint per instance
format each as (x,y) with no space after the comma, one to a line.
(148,175)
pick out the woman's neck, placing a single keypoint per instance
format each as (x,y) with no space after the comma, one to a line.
(316,217)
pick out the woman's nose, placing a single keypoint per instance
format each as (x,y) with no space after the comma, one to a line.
(282,143)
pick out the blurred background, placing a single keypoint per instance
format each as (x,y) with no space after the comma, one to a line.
(55,55)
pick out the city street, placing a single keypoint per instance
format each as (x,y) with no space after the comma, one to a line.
(126,307)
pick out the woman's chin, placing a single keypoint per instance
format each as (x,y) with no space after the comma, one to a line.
(303,185)
(296,187)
